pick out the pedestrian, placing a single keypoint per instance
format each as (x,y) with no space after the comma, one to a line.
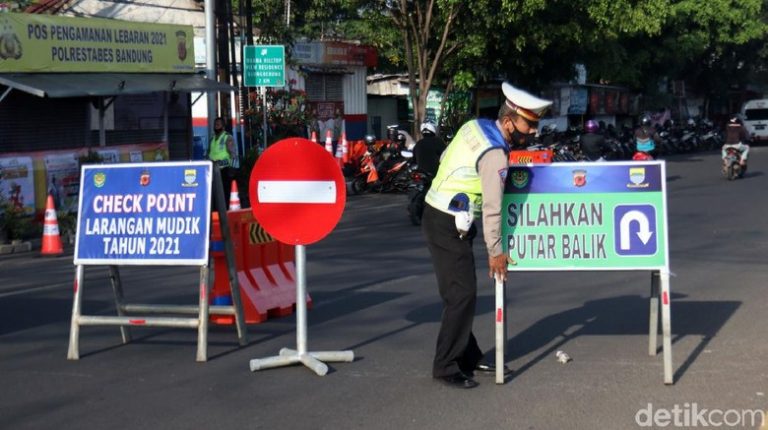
(223,153)
(470,180)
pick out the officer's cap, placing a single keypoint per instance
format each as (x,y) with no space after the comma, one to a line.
(526,105)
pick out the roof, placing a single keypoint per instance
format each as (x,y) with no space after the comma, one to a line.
(58,85)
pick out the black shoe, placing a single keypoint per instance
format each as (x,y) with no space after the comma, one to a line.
(490,368)
(458,380)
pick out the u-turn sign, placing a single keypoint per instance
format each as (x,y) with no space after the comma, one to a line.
(586,216)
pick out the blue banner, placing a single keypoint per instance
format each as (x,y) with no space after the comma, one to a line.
(144,214)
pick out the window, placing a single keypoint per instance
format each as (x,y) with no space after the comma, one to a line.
(324,87)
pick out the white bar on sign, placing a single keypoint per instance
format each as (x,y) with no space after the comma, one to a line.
(297,192)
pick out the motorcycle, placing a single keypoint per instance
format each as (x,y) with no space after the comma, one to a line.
(417,191)
(732,168)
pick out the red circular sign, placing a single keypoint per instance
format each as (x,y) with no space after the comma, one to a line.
(297,191)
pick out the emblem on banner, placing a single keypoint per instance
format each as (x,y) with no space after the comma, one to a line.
(637,177)
(190,178)
(579,177)
(99,179)
(519,178)
(144,178)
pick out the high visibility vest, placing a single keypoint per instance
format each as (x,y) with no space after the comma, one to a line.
(458,167)
(218,151)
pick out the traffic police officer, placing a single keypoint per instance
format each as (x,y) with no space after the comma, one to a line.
(470,180)
(221,151)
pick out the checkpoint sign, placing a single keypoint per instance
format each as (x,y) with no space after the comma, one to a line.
(586,216)
(144,214)
(297,191)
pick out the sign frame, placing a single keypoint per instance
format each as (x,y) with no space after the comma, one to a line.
(660,296)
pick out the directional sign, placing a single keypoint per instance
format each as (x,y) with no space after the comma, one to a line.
(264,65)
(586,216)
(297,191)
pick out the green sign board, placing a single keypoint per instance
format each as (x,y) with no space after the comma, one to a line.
(586,216)
(264,65)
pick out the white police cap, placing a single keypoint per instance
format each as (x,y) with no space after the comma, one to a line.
(526,105)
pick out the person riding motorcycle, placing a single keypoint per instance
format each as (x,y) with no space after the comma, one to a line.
(646,137)
(592,142)
(428,149)
(735,136)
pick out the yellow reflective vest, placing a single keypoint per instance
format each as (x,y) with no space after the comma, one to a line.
(458,166)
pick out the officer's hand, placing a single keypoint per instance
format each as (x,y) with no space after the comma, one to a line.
(498,266)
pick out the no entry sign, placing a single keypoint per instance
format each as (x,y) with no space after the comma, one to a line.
(297,191)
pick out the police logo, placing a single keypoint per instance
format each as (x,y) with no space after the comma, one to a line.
(99,179)
(519,178)
(190,178)
(579,177)
(637,177)
(503,175)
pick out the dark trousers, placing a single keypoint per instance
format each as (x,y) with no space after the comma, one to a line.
(454,263)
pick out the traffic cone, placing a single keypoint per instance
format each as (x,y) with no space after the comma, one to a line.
(314,137)
(234,197)
(328,142)
(339,154)
(51,239)
(344,149)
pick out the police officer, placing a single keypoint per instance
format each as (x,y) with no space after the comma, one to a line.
(221,151)
(470,180)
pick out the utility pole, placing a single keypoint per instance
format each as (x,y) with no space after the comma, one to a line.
(210,59)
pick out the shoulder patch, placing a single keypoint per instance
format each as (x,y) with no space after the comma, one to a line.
(503,175)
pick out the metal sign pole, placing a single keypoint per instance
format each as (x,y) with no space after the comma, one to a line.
(74,331)
(653,320)
(264,124)
(501,326)
(313,360)
(666,327)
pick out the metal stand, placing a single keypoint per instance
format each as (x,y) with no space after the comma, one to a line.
(661,279)
(501,328)
(287,357)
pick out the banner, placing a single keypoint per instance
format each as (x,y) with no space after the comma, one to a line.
(17,182)
(144,214)
(45,44)
(586,216)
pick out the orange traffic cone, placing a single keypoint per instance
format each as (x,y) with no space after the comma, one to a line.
(51,239)
(328,142)
(339,154)
(344,149)
(314,137)
(234,197)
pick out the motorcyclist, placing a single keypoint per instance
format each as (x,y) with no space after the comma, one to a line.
(735,136)
(428,149)
(592,142)
(646,136)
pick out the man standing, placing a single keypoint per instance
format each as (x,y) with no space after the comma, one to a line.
(222,152)
(470,180)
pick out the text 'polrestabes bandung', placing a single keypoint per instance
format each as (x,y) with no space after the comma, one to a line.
(555,246)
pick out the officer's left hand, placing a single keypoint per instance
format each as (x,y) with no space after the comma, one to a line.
(498,266)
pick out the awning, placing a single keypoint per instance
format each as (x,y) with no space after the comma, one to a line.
(57,85)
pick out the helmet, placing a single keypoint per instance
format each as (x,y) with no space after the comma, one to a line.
(735,120)
(691,122)
(645,120)
(591,126)
(370,139)
(428,127)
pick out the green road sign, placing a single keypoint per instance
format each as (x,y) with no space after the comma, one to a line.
(586,216)
(264,65)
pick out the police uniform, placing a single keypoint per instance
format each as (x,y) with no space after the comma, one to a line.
(475,164)
(218,152)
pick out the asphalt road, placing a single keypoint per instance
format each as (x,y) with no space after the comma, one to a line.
(374,292)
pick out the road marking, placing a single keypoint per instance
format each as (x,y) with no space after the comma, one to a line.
(297,191)
(31,290)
